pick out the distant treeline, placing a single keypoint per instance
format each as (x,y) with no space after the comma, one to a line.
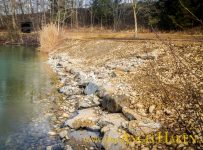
(160,14)
(114,14)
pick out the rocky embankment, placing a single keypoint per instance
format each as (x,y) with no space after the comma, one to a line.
(98,110)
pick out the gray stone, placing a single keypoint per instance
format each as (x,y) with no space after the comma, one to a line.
(89,101)
(91,88)
(115,119)
(80,76)
(113,75)
(70,90)
(85,137)
(93,128)
(112,140)
(63,133)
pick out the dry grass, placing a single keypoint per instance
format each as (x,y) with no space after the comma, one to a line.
(174,82)
(50,37)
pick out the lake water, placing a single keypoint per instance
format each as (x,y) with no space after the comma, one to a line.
(25,87)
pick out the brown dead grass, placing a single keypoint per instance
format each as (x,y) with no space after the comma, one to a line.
(50,37)
(87,34)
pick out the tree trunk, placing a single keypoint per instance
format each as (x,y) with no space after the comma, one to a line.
(91,19)
(135,17)
(101,24)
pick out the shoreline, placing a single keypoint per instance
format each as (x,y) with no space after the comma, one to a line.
(106,100)
(92,109)
(29,39)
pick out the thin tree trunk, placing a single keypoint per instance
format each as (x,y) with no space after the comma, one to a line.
(101,23)
(135,17)
(76,17)
(21,7)
(91,19)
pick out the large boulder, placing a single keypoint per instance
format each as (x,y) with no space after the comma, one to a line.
(142,127)
(91,88)
(116,119)
(85,138)
(114,103)
(112,140)
(85,118)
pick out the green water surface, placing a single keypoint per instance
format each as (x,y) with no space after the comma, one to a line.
(24,86)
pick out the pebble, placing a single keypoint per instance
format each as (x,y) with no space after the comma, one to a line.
(145,148)
(49,148)
(151,108)
(113,74)
(131,106)
(52,133)
(132,144)
(181,145)
(63,133)
(71,110)
(167,112)
(139,105)
(125,124)
(68,147)
(132,102)
(65,115)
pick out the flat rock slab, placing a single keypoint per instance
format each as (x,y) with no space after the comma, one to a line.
(115,119)
(142,127)
(86,138)
(84,118)
(131,114)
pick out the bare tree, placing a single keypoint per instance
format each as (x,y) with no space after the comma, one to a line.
(134,3)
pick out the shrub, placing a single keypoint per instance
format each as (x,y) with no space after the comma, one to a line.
(50,37)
